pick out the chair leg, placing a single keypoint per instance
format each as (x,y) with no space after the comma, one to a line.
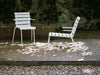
(48,45)
(13,35)
(48,41)
(21,37)
(34,35)
(31,35)
(74,44)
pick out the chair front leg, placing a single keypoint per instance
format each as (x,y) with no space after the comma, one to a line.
(21,37)
(13,35)
(31,35)
(48,41)
(48,45)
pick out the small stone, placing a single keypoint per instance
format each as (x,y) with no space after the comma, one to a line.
(49,70)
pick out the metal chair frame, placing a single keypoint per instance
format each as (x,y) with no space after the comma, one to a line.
(22,21)
(66,35)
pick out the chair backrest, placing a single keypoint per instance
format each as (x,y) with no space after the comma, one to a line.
(75,25)
(22,18)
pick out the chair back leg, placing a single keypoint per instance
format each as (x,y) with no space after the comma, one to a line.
(31,35)
(48,41)
(13,35)
(74,44)
(47,44)
(21,37)
(34,35)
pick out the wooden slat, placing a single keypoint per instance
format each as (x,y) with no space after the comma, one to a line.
(22,19)
(22,22)
(22,13)
(59,34)
(67,27)
(23,25)
(22,16)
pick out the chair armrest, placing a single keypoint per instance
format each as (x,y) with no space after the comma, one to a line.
(33,19)
(67,30)
(14,19)
(30,19)
(67,27)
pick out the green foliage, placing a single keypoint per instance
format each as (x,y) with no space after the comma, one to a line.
(87,8)
(6,9)
(19,6)
(47,11)
(56,12)
(98,25)
(64,20)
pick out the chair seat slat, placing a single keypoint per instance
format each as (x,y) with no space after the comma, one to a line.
(59,34)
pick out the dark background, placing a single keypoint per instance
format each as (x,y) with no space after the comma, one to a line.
(53,12)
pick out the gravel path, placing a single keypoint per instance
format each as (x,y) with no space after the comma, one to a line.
(50,70)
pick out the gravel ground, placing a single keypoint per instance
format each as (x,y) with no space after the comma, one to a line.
(59,50)
(50,70)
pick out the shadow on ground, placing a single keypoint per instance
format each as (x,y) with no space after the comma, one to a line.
(59,50)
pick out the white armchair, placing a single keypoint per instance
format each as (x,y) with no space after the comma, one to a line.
(22,21)
(65,35)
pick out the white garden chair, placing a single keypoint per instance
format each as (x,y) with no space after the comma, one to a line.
(66,35)
(22,21)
